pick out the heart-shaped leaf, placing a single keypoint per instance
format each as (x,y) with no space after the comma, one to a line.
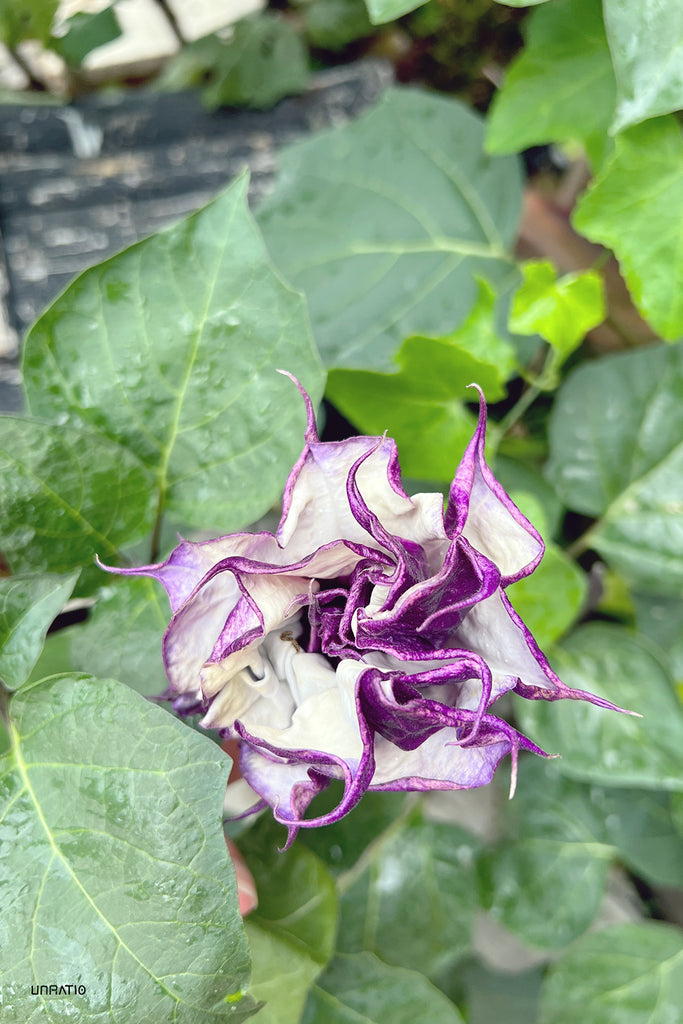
(115,878)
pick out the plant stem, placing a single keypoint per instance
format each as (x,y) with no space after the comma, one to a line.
(527,397)
(582,543)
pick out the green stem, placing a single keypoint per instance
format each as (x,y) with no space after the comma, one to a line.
(529,396)
(582,543)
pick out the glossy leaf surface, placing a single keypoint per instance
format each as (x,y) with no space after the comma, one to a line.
(361,988)
(385,222)
(67,495)
(561,86)
(604,746)
(28,606)
(121,882)
(180,365)
(628,974)
(635,207)
(413,903)
(650,74)
(616,444)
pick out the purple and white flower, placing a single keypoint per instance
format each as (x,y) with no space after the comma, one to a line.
(367,639)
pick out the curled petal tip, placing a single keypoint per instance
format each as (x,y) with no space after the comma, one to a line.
(311,434)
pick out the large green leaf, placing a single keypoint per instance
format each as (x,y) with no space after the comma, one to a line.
(297,898)
(639,824)
(171,348)
(501,998)
(67,494)
(616,444)
(115,874)
(561,86)
(292,931)
(28,606)
(546,881)
(646,41)
(361,988)
(421,406)
(628,974)
(635,207)
(661,619)
(412,898)
(386,222)
(605,746)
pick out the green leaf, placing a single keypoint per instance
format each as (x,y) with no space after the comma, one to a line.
(387,222)
(412,898)
(263,60)
(184,333)
(30,19)
(677,812)
(85,32)
(521,477)
(604,746)
(561,310)
(638,823)
(333,24)
(297,896)
(550,600)
(494,998)
(116,874)
(28,606)
(281,978)
(292,931)
(422,405)
(381,11)
(628,974)
(635,207)
(362,988)
(121,637)
(67,494)
(649,75)
(561,86)
(616,443)
(661,619)
(340,845)
(547,879)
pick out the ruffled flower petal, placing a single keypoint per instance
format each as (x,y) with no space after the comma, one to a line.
(367,640)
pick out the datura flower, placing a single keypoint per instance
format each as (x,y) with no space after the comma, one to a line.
(368,638)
